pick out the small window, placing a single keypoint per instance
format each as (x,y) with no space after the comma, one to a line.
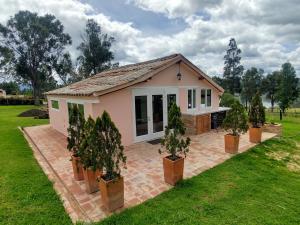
(208,97)
(191,98)
(54,104)
(80,108)
(203,102)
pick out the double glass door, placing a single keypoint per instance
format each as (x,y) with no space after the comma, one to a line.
(150,112)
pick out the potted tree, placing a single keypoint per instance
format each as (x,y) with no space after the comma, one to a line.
(256,118)
(75,129)
(111,183)
(176,145)
(236,123)
(89,155)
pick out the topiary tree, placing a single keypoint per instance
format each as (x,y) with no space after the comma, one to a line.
(173,139)
(236,119)
(111,149)
(257,112)
(89,147)
(75,130)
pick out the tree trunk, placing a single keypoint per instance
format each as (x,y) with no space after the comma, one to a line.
(272,105)
(36,93)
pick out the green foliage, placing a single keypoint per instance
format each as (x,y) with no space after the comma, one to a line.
(257,112)
(111,151)
(227,100)
(236,119)
(75,130)
(31,44)
(270,86)
(11,88)
(90,145)
(288,90)
(173,139)
(219,80)
(17,101)
(96,55)
(64,69)
(251,83)
(233,70)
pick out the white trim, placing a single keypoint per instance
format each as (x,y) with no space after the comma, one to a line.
(52,106)
(75,100)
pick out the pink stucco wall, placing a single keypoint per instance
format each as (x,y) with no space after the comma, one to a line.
(119,104)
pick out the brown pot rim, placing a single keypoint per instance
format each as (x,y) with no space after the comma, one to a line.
(110,181)
(179,158)
(229,134)
(255,127)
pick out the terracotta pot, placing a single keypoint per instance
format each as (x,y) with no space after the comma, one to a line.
(255,134)
(173,170)
(90,178)
(112,193)
(231,143)
(77,168)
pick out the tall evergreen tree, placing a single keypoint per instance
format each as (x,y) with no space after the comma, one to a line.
(233,69)
(251,83)
(288,90)
(96,54)
(270,86)
(30,45)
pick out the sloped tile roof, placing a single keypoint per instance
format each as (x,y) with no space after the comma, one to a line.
(109,80)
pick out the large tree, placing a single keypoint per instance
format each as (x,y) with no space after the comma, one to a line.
(270,85)
(288,90)
(96,54)
(251,83)
(11,87)
(29,46)
(233,69)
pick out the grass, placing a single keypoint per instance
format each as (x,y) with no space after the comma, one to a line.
(261,186)
(26,194)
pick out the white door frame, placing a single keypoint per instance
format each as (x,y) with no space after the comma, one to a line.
(149,91)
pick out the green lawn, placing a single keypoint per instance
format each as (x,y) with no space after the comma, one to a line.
(261,186)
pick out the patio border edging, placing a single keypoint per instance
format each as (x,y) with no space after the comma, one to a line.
(72,200)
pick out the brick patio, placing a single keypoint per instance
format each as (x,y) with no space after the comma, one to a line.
(143,176)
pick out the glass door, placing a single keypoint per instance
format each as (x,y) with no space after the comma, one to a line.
(157,113)
(141,115)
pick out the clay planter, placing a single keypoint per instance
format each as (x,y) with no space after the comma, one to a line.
(77,168)
(173,170)
(231,143)
(90,178)
(112,193)
(255,134)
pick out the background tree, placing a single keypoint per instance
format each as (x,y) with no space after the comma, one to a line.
(11,88)
(233,70)
(96,54)
(30,45)
(227,100)
(270,86)
(64,69)
(219,80)
(288,90)
(251,83)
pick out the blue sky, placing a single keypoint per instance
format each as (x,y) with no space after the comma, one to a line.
(267,31)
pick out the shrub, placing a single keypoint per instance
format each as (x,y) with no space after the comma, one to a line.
(227,100)
(75,130)
(257,112)
(17,101)
(111,151)
(89,147)
(236,119)
(173,139)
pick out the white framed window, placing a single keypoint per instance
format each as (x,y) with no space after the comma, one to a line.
(206,97)
(55,104)
(192,98)
(79,106)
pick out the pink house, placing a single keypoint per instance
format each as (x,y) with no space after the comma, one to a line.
(137,97)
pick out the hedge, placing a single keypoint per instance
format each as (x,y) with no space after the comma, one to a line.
(17,101)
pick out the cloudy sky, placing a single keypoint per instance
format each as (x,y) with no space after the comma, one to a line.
(267,31)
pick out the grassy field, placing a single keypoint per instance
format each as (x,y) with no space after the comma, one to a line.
(261,186)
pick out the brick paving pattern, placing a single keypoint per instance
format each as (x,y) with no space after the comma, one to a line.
(143,177)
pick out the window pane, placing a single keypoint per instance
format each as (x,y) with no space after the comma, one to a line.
(81,109)
(194,98)
(170,99)
(54,104)
(157,111)
(189,99)
(208,97)
(203,97)
(141,115)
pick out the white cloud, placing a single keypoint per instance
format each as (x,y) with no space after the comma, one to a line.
(263,30)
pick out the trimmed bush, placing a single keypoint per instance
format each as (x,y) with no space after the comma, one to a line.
(17,101)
